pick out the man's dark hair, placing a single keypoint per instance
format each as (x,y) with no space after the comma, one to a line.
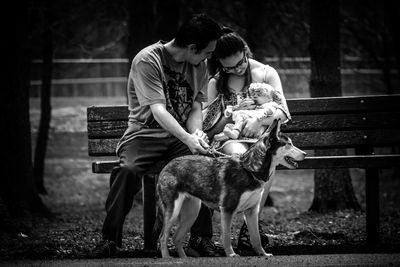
(199,30)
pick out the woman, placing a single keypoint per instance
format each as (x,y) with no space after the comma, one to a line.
(235,71)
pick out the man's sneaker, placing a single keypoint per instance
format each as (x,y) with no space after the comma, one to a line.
(105,249)
(201,247)
(244,238)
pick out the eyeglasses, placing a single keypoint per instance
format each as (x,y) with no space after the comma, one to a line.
(239,64)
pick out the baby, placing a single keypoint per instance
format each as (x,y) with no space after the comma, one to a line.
(266,100)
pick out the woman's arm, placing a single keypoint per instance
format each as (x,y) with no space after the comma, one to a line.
(218,127)
(266,74)
(273,79)
(220,124)
(212,90)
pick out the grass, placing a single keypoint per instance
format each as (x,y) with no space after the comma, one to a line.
(76,197)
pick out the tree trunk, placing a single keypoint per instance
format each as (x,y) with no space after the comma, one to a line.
(140,25)
(333,188)
(150,21)
(255,24)
(17,189)
(45,106)
(392,19)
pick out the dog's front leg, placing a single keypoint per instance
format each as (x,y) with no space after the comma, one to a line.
(226,221)
(267,187)
(251,216)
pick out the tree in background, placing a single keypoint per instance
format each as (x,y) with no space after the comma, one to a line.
(150,21)
(333,189)
(17,188)
(370,29)
(45,96)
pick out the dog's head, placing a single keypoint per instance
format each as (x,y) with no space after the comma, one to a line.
(272,147)
(287,154)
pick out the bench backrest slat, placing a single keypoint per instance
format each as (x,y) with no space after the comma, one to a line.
(107,113)
(344,104)
(303,140)
(351,121)
(300,123)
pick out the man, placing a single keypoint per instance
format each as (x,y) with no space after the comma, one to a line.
(166,86)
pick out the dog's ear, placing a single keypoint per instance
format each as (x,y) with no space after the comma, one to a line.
(274,128)
(253,158)
(271,132)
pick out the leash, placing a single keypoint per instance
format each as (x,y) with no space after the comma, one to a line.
(215,146)
(212,150)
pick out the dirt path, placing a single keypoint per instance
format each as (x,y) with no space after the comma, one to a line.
(298,260)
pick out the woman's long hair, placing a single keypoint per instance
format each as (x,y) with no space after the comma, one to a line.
(227,45)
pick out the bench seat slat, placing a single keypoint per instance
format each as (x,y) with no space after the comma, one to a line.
(362,161)
(323,162)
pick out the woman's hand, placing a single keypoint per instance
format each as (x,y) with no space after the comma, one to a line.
(253,128)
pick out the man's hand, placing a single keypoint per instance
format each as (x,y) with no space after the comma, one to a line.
(197,142)
(204,141)
(253,128)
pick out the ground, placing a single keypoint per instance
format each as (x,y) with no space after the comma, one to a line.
(76,197)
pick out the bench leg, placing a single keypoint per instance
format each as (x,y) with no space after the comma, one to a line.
(149,210)
(372,205)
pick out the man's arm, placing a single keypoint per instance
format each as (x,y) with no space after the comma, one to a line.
(168,122)
(194,123)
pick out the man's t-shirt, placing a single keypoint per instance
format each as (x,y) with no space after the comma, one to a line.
(155,77)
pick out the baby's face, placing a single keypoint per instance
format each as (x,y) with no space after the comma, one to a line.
(261,93)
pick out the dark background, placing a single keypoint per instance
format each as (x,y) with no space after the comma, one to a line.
(277,33)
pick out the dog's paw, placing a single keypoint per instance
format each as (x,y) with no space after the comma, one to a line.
(267,255)
(233,255)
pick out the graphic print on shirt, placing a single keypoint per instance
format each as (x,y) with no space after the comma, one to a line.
(178,95)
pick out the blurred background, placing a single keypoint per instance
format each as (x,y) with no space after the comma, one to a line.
(93,41)
(80,53)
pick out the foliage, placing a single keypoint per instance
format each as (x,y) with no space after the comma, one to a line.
(100,28)
(85,29)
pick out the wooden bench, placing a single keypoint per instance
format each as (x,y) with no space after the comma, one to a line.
(362,122)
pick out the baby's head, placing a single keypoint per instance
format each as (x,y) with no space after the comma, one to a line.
(262,93)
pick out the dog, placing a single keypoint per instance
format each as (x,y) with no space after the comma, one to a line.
(229,184)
